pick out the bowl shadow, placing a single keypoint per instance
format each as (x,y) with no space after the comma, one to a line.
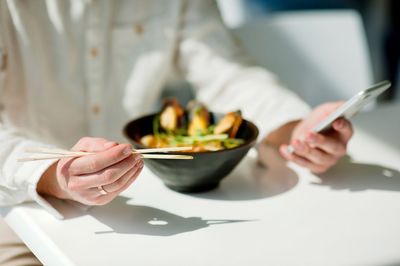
(257,177)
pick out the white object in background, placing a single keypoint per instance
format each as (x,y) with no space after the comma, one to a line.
(321,55)
(233,12)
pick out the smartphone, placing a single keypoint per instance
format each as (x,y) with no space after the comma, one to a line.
(352,106)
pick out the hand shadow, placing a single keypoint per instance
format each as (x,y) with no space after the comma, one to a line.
(256,177)
(124,218)
(356,176)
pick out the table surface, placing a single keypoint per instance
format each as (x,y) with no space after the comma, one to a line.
(280,215)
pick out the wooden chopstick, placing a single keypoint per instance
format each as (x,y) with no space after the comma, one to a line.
(169,149)
(46,157)
(145,156)
(48,154)
(61,151)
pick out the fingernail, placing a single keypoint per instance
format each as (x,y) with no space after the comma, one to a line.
(140,164)
(127,151)
(338,124)
(289,149)
(285,150)
(109,144)
(298,145)
(136,160)
(311,138)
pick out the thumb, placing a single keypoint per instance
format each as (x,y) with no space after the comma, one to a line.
(344,129)
(89,144)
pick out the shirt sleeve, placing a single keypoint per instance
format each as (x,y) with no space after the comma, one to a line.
(18,180)
(224,79)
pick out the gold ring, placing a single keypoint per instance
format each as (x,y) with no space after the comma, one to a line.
(101,190)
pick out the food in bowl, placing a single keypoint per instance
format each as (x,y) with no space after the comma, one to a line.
(208,167)
(174,127)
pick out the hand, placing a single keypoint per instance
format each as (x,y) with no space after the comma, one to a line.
(114,168)
(319,152)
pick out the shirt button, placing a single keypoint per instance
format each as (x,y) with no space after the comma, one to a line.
(138,28)
(94,52)
(96,109)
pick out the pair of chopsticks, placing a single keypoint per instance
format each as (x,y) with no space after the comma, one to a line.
(47,154)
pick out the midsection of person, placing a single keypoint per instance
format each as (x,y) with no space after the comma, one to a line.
(72,64)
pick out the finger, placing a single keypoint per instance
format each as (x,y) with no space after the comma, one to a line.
(103,177)
(314,155)
(124,187)
(301,161)
(132,173)
(94,163)
(344,128)
(89,144)
(328,144)
(89,196)
(104,199)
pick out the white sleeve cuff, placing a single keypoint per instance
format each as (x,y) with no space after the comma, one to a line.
(35,171)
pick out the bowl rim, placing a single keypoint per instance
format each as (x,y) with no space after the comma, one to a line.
(248,142)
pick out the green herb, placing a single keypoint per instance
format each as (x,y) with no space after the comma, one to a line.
(192,139)
(156,126)
(232,143)
(210,129)
(180,132)
(197,109)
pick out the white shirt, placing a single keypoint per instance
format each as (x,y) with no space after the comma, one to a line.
(84,68)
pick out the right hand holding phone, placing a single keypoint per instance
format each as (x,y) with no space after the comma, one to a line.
(315,151)
(93,179)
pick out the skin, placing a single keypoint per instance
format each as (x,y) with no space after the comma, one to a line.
(317,152)
(115,168)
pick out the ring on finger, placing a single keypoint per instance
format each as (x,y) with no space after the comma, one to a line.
(102,190)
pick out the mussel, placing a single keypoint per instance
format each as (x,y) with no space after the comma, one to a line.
(199,118)
(149,141)
(172,115)
(229,124)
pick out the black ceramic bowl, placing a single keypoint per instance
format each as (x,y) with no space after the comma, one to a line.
(202,173)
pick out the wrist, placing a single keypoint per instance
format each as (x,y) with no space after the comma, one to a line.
(281,135)
(48,184)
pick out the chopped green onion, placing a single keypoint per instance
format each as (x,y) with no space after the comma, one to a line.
(232,143)
(156,126)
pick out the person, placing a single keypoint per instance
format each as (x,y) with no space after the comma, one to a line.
(74,72)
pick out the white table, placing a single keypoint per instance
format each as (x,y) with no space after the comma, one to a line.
(276,216)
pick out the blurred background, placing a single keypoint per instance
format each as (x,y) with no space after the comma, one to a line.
(324,50)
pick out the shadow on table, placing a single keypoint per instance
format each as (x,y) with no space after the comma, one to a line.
(254,179)
(356,176)
(391,264)
(382,124)
(124,218)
